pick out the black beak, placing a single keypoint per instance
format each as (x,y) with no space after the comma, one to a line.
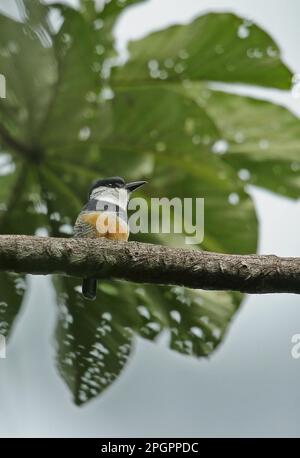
(134,185)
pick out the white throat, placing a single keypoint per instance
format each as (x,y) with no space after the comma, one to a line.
(115,196)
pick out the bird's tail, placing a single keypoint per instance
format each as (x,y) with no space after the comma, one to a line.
(89,288)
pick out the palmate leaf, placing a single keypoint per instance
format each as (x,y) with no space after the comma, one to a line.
(77,124)
(195,320)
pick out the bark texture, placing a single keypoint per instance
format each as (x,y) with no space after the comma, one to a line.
(147,263)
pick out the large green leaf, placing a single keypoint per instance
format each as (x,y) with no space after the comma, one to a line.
(181,168)
(94,339)
(92,345)
(172,134)
(263,139)
(216,47)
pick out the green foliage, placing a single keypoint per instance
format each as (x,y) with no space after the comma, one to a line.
(214,47)
(71,115)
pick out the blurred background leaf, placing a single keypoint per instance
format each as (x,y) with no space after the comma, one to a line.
(215,47)
(73,113)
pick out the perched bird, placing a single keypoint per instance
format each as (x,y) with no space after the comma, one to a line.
(104,215)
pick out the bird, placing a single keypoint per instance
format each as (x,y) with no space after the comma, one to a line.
(104,215)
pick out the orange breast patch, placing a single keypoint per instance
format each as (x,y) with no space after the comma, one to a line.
(90,218)
(107,224)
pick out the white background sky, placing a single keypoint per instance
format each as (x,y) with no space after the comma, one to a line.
(249,387)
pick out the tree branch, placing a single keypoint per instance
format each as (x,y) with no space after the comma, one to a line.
(147,263)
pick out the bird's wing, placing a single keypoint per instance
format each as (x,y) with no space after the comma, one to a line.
(82,228)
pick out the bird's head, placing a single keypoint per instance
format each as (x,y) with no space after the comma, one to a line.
(115,183)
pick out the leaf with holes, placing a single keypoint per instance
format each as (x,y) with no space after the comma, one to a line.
(93,346)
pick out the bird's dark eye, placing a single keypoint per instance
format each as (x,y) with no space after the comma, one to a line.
(105,207)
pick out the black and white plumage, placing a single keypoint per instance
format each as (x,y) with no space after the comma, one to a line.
(105,215)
